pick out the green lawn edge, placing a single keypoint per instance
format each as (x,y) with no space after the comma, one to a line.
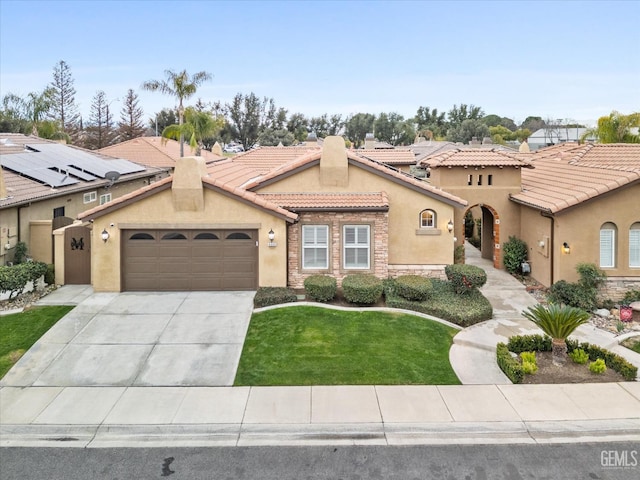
(19,331)
(312,345)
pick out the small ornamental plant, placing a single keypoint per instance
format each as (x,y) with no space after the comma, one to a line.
(529,367)
(579,356)
(598,366)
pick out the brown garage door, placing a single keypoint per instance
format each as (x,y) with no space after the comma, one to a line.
(185,260)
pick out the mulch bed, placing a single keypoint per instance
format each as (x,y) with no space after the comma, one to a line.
(570,372)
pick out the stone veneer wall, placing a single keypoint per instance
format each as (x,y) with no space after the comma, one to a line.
(431,271)
(615,287)
(335,220)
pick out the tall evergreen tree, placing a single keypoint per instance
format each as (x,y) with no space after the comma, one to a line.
(63,93)
(100,130)
(130,125)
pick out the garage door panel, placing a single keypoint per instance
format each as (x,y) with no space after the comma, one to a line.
(183,260)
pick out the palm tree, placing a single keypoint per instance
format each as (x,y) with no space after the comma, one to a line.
(615,128)
(197,126)
(558,322)
(181,86)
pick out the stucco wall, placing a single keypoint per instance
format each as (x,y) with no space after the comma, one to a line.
(41,241)
(536,229)
(157,211)
(8,233)
(407,243)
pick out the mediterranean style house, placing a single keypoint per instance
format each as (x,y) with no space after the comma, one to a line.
(275,215)
(44,185)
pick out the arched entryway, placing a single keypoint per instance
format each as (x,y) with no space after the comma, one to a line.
(486,227)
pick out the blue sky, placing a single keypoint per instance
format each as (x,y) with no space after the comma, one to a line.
(576,60)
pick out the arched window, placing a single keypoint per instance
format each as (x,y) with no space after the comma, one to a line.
(206,236)
(141,236)
(173,236)
(427,219)
(608,245)
(238,236)
(634,245)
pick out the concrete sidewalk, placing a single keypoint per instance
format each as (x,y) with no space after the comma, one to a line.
(320,415)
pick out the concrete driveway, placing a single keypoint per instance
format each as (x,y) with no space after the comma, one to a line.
(138,339)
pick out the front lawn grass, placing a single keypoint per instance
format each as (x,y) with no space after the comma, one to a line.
(19,331)
(318,346)
(632,343)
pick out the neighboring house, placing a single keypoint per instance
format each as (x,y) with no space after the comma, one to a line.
(154,152)
(45,185)
(581,203)
(327,211)
(548,136)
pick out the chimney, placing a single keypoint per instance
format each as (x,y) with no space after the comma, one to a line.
(3,188)
(334,166)
(186,187)
(217,149)
(487,141)
(369,141)
(475,142)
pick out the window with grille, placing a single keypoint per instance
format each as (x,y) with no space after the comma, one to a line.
(608,245)
(634,245)
(356,246)
(315,247)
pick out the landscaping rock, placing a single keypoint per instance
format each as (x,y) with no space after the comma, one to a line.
(602,312)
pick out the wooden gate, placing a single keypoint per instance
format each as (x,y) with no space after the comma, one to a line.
(77,256)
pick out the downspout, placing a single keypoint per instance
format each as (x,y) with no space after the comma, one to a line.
(552,246)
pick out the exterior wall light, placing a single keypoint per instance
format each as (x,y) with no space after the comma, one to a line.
(450,226)
(566,249)
(105,235)
(272,236)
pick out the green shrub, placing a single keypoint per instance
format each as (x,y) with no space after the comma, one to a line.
(465,278)
(468,224)
(631,296)
(529,343)
(458,255)
(266,296)
(15,278)
(590,275)
(514,253)
(50,274)
(475,241)
(320,288)
(529,368)
(463,310)
(362,289)
(34,270)
(529,357)
(597,366)
(579,356)
(413,287)
(611,360)
(20,253)
(508,364)
(573,295)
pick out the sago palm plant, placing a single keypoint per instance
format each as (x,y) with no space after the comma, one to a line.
(558,322)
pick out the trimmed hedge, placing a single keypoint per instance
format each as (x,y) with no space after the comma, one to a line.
(362,289)
(514,253)
(465,278)
(511,367)
(529,343)
(266,296)
(413,287)
(320,288)
(15,278)
(542,343)
(463,310)
(611,360)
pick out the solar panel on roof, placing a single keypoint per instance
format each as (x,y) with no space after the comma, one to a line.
(61,157)
(44,175)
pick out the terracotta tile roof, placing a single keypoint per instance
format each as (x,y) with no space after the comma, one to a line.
(151,151)
(577,174)
(147,190)
(476,157)
(22,189)
(389,156)
(266,159)
(333,201)
(231,172)
(313,158)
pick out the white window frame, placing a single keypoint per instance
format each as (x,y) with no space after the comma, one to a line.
(607,246)
(634,245)
(310,243)
(433,218)
(90,197)
(356,245)
(104,198)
